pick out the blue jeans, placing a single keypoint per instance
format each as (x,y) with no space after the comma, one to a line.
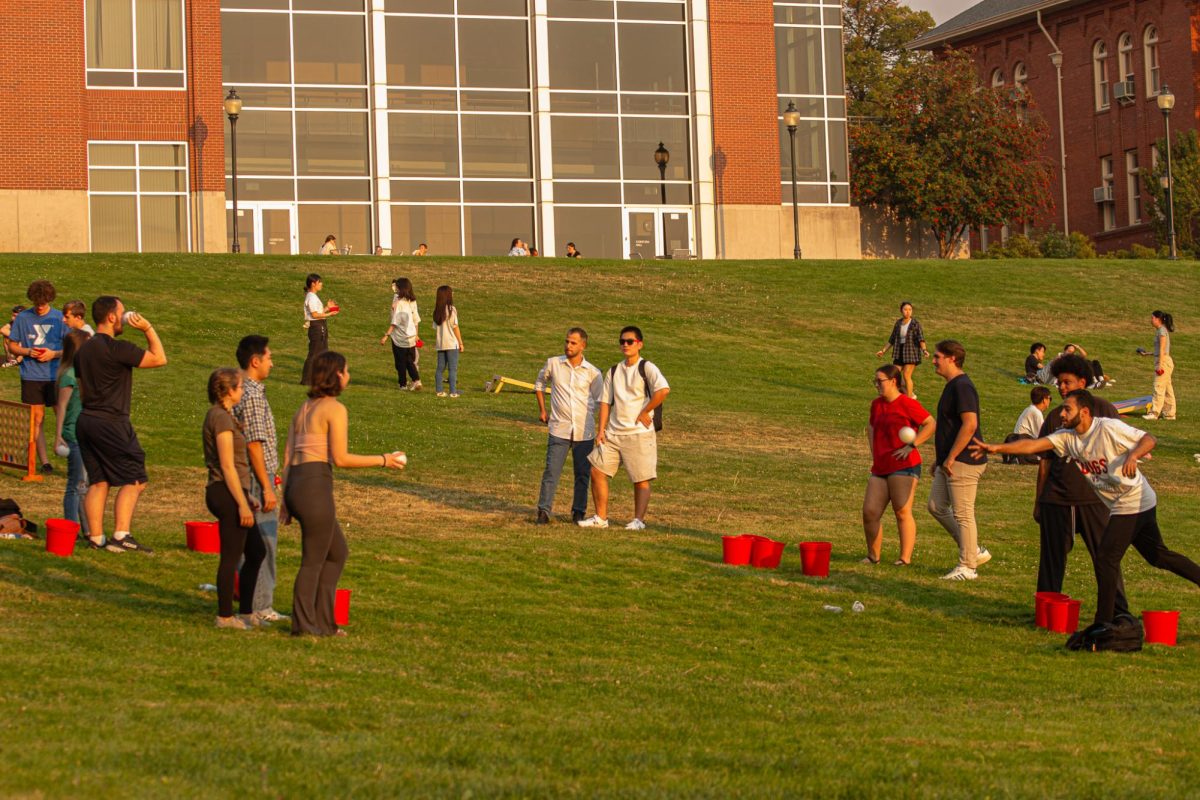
(77,484)
(447,360)
(268,526)
(556,456)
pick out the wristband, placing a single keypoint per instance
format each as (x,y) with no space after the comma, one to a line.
(384,457)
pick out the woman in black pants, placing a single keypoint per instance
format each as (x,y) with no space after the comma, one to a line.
(317,441)
(402,333)
(315,314)
(226,498)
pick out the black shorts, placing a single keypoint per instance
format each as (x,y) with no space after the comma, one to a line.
(39,393)
(110,449)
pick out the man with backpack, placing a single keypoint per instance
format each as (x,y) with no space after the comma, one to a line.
(630,414)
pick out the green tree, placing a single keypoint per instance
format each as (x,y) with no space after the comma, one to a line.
(1185,171)
(950,154)
(875,33)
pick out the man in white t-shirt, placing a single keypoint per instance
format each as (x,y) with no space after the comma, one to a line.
(633,389)
(1029,424)
(575,386)
(1107,452)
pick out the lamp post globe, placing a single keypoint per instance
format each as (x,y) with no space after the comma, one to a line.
(1166,102)
(233,107)
(791,118)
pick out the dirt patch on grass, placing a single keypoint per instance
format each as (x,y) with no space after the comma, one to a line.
(749,433)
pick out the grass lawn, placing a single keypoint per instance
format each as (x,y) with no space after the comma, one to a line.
(489,657)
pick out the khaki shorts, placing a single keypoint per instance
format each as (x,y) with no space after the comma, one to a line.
(637,451)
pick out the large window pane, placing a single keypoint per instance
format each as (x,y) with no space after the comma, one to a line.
(585,147)
(350,224)
(493,53)
(109,34)
(423,145)
(583,9)
(582,55)
(420,51)
(595,231)
(653,58)
(264,144)
(586,193)
(838,170)
(640,137)
(798,60)
(330,49)
(496,146)
(112,180)
(164,224)
(834,83)
(348,190)
(159,34)
(111,155)
(331,143)
(810,151)
(425,191)
(437,226)
(163,180)
(162,155)
(668,12)
(114,224)
(255,48)
(490,231)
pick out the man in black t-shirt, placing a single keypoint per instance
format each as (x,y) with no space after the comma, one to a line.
(956,473)
(1033,363)
(1065,503)
(111,453)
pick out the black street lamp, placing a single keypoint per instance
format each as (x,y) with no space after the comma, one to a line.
(791,118)
(1166,101)
(233,107)
(661,156)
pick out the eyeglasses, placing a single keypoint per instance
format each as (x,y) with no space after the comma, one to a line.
(629,342)
(879,382)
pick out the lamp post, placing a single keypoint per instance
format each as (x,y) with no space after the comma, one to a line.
(791,118)
(661,156)
(1166,101)
(233,107)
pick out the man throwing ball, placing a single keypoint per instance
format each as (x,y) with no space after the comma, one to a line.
(1107,452)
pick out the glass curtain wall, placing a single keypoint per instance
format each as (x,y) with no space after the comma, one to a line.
(809,71)
(619,86)
(460,132)
(300,67)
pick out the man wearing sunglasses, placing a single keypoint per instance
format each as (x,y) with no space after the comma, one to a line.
(633,389)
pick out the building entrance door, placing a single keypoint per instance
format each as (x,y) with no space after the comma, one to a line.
(659,232)
(265,228)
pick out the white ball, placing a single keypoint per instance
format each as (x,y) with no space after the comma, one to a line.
(63,450)
(403,459)
(907,435)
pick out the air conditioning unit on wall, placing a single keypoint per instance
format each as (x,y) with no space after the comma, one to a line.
(1124,92)
(1102,194)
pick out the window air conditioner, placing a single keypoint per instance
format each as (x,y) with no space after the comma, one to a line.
(1124,92)
(1102,194)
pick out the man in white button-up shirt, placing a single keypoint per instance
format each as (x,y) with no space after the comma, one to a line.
(574,392)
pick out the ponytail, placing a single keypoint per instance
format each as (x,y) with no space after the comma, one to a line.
(1167,320)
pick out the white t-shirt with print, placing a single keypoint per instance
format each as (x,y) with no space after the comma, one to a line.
(625,391)
(404,323)
(1100,453)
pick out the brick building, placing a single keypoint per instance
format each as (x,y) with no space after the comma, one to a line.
(461,123)
(1115,56)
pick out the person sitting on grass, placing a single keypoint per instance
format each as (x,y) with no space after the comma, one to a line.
(1029,423)
(1034,362)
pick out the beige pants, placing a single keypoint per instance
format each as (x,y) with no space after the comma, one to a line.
(952,503)
(1163,403)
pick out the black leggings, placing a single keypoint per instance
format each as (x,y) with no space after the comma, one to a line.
(318,342)
(309,498)
(236,542)
(1140,530)
(405,359)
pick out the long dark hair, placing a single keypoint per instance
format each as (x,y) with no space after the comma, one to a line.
(71,344)
(444,304)
(326,382)
(1167,320)
(893,372)
(404,289)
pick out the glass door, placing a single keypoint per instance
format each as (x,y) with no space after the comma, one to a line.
(659,233)
(264,228)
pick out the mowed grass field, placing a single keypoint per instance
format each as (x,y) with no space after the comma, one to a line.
(491,657)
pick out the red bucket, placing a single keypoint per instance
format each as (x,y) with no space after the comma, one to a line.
(765,553)
(736,549)
(1161,627)
(814,558)
(203,537)
(1063,615)
(1041,602)
(341,607)
(60,536)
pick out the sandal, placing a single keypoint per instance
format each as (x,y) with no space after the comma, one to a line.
(869,560)
(900,562)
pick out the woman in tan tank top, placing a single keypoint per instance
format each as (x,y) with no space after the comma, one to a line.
(316,442)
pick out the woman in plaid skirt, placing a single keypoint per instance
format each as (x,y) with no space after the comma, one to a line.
(907,344)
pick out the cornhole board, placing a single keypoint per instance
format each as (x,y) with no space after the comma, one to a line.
(1134,405)
(498,382)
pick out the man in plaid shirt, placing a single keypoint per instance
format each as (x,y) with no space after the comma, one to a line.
(262,448)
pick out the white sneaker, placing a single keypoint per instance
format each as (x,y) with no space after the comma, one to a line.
(983,557)
(961,574)
(270,615)
(1151,415)
(441,394)
(592,522)
(636,525)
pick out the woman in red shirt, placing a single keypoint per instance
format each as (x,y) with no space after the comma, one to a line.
(895,466)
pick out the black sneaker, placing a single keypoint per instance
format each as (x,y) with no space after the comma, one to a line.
(47,468)
(109,545)
(577,515)
(130,543)
(543,518)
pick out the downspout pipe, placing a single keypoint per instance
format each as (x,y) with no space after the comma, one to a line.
(1056,58)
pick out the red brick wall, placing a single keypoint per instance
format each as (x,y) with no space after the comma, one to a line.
(1092,134)
(745,128)
(47,115)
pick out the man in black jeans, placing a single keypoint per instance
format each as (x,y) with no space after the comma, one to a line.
(1065,503)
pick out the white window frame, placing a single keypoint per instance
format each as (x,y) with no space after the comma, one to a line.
(137,192)
(135,71)
(1100,75)
(1125,57)
(997,78)
(1150,54)
(1020,75)
(1106,180)
(1133,187)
